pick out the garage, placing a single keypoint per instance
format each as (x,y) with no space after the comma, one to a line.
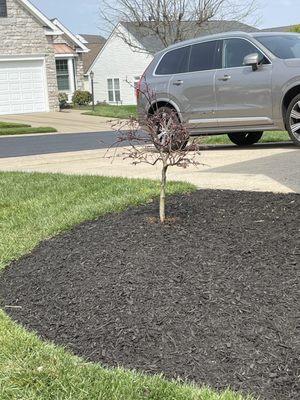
(23,87)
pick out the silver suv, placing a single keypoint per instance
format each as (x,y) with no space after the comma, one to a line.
(237,83)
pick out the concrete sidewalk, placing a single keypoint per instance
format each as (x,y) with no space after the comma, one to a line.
(262,168)
(67,121)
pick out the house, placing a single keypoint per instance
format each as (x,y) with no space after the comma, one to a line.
(95,44)
(128,52)
(38,58)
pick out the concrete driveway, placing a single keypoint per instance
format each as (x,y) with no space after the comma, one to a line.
(262,167)
(67,121)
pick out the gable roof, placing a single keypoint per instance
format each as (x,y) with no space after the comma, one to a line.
(93,38)
(51,29)
(153,44)
(94,43)
(81,47)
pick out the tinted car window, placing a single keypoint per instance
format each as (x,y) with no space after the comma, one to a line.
(283,46)
(205,56)
(174,62)
(235,50)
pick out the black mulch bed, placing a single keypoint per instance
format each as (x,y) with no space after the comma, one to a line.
(212,297)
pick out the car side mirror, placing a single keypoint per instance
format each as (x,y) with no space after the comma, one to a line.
(252,60)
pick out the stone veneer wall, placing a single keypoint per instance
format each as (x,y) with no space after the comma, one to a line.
(22,34)
(79,72)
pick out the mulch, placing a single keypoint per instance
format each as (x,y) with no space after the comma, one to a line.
(211,297)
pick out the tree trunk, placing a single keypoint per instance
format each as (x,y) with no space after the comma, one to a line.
(162,203)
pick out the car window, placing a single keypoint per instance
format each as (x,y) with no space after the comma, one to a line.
(235,50)
(174,62)
(205,56)
(283,46)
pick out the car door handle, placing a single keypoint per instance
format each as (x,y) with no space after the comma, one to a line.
(178,83)
(225,78)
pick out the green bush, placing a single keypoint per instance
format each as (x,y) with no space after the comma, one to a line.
(296,29)
(63,100)
(82,98)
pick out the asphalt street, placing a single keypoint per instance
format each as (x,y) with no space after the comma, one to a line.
(55,143)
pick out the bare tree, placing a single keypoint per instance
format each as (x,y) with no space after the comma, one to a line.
(171,21)
(163,140)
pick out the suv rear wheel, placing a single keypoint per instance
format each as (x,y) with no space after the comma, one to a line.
(245,138)
(293,120)
(167,120)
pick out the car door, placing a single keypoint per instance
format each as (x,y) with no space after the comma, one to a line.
(194,90)
(243,96)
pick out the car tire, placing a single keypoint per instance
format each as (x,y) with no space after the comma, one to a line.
(292,120)
(245,138)
(171,113)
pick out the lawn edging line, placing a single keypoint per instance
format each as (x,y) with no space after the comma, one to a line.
(90,196)
(34,207)
(216,264)
(33,362)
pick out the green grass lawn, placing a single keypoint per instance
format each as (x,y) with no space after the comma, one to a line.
(268,137)
(110,111)
(12,128)
(34,207)
(34,370)
(5,125)
(23,131)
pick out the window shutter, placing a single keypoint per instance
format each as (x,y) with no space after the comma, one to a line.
(3,8)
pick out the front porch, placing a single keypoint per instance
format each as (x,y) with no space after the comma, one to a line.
(68,50)
(66,60)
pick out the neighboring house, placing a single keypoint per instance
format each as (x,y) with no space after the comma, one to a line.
(95,44)
(38,57)
(120,64)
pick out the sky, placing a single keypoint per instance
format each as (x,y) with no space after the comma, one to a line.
(82,16)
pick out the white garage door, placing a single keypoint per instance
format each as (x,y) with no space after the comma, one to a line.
(22,87)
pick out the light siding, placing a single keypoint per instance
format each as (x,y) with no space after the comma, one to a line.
(118,61)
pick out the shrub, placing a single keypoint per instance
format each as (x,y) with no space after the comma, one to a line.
(82,98)
(63,100)
(296,29)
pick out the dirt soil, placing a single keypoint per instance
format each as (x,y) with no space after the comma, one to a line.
(211,297)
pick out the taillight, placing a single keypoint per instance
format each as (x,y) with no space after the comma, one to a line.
(139,84)
(138,87)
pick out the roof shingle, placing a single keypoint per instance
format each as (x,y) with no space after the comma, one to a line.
(153,44)
(95,44)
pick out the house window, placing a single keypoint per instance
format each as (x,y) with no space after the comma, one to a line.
(3,8)
(62,74)
(113,87)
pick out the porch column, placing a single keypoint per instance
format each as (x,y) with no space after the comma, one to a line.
(71,75)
